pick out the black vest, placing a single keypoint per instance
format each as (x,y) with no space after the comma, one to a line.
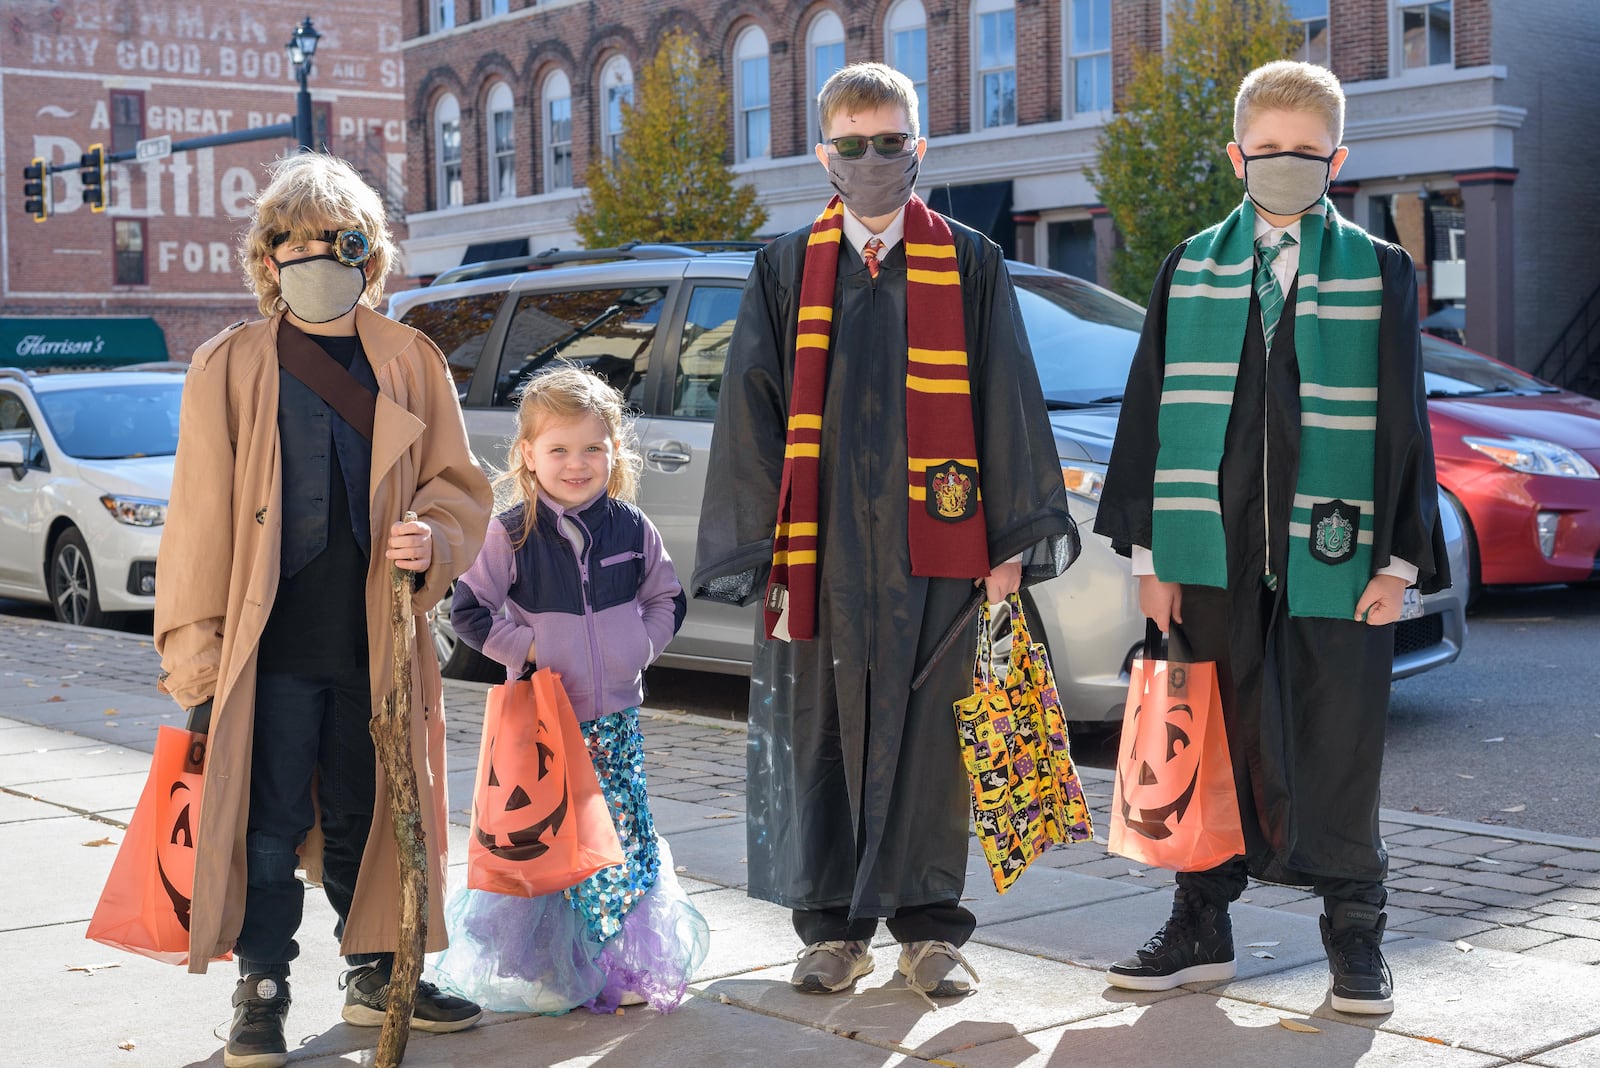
(313,441)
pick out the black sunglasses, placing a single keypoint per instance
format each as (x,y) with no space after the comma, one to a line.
(854,146)
(350,247)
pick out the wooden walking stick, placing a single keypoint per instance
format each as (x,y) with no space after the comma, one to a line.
(391,736)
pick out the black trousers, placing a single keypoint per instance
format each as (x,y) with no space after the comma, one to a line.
(1225,882)
(943,921)
(305,728)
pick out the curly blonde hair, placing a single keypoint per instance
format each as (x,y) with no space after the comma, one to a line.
(568,392)
(309,193)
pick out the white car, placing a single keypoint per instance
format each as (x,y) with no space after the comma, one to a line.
(85,473)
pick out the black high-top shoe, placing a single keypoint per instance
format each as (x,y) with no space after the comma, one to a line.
(255,1039)
(1194,945)
(1352,934)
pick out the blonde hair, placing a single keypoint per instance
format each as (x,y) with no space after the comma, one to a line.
(866,87)
(309,193)
(1290,85)
(566,393)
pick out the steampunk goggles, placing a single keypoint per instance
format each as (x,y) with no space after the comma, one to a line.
(350,247)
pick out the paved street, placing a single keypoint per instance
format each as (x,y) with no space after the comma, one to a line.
(1495,932)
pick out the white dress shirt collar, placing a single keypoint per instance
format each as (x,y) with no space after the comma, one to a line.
(856,232)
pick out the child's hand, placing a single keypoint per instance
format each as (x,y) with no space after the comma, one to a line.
(1381,601)
(1003,581)
(411,546)
(532,652)
(1161,601)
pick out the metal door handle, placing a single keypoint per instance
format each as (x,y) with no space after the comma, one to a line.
(667,456)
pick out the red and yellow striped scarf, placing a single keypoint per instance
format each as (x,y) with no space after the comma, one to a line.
(948,538)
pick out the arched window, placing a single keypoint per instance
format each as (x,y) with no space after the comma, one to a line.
(501,141)
(994,63)
(824,55)
(752,95)
(616,89)
(447,152)
(905,32)
(556,109)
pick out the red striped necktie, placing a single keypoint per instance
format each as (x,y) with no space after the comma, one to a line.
(870,254)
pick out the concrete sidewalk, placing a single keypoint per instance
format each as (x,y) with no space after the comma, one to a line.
(1495,933)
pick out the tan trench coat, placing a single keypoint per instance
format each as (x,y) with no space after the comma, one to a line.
(218,567)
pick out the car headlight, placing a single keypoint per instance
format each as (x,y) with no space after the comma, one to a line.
(1084,479)
(135,511)
(1534,456)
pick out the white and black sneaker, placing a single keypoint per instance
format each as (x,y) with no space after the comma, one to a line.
(255,1038)
(1359,976)
(1194,945)
(366,999)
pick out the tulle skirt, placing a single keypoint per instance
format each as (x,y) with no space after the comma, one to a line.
(628,929)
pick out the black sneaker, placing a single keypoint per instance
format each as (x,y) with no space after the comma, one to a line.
(366,998)
(1194,945)
(255,1040)
(1353,937)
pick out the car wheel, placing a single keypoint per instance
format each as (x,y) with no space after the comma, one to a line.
(457,659)
(1474,572)
(73,593)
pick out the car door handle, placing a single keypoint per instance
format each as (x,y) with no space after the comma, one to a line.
(669,457)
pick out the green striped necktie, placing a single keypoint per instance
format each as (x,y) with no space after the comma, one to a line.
(1268,290)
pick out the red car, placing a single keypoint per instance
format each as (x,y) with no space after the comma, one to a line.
(1518,457)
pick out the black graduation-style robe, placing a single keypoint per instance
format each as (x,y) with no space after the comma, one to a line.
(856,796)
(1305,700)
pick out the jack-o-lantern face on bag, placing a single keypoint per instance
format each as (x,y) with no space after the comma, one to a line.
(512,817)
(175,848)
(1165,774)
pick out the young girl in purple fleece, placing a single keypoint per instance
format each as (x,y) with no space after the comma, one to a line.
(576,579)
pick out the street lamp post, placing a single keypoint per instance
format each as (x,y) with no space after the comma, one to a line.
(302,47)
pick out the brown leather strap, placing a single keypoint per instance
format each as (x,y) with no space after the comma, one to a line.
(307,361)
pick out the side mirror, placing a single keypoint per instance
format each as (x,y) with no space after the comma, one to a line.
(11,456)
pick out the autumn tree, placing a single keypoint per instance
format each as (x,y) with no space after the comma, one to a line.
(668,180)
(1163,172)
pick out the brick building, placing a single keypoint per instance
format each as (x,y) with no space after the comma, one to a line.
(1471,125)
(156,273)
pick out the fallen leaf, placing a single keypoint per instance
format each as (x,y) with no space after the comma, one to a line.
(1136,873)
(1464,946)
(1464,775)
(681,868)
(1515,808)
(100,842)
(125,1045)
(90,969)
(1296,1025)
(1262,945)
(720,816)
(112,712)
(1430,1038)
(53,698)
(1263,954)
(1499,739)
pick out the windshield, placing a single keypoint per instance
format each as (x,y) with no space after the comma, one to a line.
(105,423)
(1083,338)
(1451,371)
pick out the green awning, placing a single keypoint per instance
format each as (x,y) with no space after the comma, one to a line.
(89,341)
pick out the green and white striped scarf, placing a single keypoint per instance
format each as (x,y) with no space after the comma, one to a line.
(1337,311)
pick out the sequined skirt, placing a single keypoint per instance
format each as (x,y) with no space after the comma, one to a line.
(627,929)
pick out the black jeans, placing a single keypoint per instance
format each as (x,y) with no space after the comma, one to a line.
(305,728)
(943,921)
(1224,883)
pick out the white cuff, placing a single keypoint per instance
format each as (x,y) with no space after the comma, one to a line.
(1144,561)
(1401,569)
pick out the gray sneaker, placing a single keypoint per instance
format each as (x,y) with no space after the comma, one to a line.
(829,967)
(928,968)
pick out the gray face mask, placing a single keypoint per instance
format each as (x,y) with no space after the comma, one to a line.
(1286,183)
(319,289)
(874,185)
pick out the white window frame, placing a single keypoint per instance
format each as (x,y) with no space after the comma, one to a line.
(490,8)
(441,15)
(1305,22)
(1397,26)
(909,16)
(750,45)
(616,77)
(557,87)
(1069,79)
(825,31)
(447,167)
(980,9)
(499,101)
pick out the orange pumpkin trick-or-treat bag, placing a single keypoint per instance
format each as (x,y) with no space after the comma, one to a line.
(1174,805)
(144,907)
(539,821)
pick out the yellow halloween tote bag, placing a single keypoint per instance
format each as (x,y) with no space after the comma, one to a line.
(1173,803)
(1025,789)
(539,821)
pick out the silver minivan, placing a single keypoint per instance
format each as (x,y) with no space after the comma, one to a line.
(656,322)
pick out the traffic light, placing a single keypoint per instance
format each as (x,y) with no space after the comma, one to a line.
(92,172)
(36,190)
